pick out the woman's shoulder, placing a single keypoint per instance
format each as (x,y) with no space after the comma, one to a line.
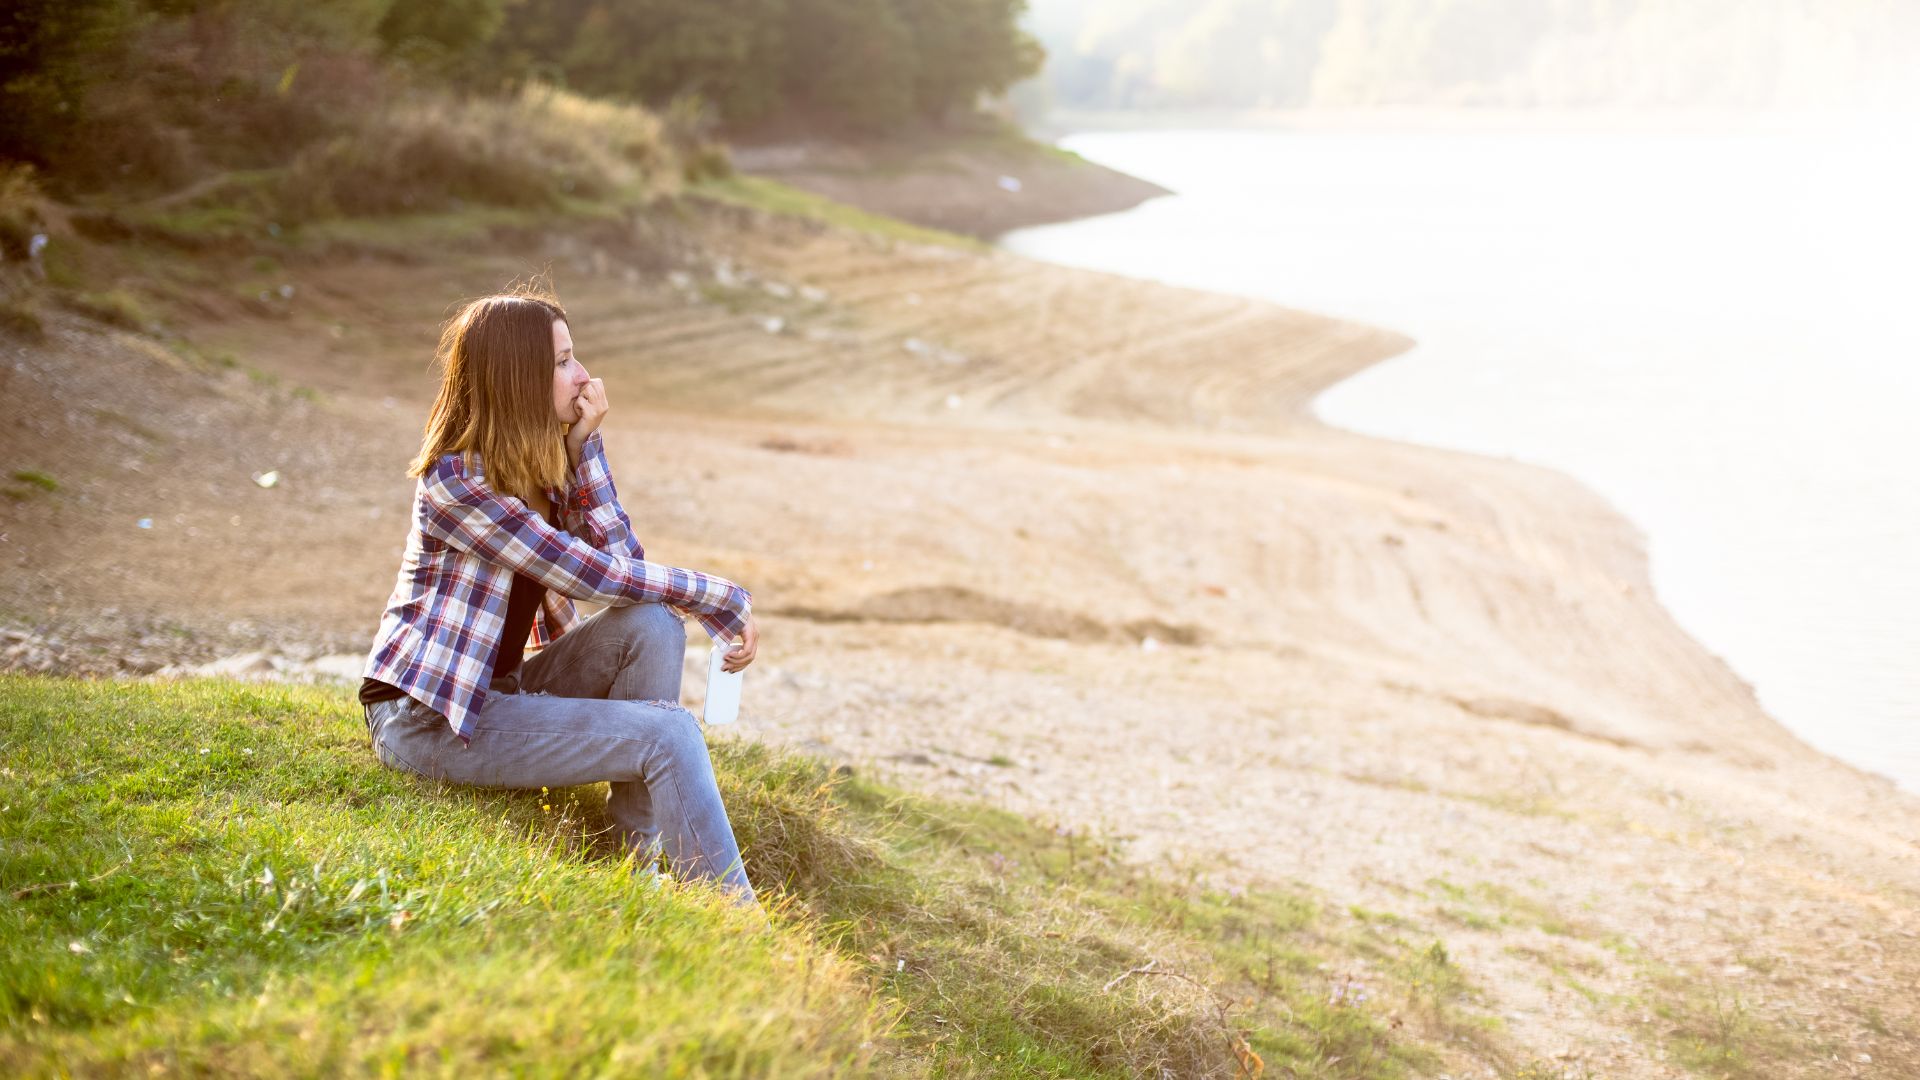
(464,463)
(454,477)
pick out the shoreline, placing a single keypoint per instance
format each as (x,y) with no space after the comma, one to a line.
(1086,524)
(981,185)
(1856,746)
(1864,769)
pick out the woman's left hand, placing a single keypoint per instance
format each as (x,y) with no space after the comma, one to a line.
(592,406)
(742,652)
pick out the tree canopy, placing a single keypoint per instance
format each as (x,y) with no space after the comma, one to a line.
(77,71)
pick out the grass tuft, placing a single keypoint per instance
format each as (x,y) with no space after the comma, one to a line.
(774,197)
(36,478)
(115,307)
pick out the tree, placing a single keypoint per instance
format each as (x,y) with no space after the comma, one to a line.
(964,47)
(850,59)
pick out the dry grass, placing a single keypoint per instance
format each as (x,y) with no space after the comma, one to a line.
(436,152)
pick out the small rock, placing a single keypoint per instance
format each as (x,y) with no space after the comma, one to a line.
(247,663)
(343,666)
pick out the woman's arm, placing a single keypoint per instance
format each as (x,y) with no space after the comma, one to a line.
(471,517)
(590,508)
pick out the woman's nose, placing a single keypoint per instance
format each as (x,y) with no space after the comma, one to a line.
(582,378)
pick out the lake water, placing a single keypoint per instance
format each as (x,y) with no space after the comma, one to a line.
(1716,331)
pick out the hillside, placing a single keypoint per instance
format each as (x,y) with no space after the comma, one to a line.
(206,878)
(1043,540)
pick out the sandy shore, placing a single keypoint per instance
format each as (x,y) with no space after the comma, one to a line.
(1070,544)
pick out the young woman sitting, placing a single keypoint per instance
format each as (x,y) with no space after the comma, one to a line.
(481,671)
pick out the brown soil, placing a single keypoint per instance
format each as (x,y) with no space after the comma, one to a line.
(1069,544)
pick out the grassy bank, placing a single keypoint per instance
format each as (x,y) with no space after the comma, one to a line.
(207,876)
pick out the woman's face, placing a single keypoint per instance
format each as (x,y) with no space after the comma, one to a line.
(568,376)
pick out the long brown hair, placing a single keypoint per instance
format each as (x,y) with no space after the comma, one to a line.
(496,393)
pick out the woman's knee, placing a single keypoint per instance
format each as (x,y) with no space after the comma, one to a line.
(649,623)
(675,731)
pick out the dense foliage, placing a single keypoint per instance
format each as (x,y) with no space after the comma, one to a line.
(868,63)
(160,91)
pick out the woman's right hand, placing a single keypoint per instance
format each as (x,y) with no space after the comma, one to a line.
(741,653)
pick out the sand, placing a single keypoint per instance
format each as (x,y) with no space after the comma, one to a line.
(1072,545)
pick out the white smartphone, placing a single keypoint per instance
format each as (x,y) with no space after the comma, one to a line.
(723,688)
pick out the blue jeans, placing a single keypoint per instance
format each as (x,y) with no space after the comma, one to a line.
(601,702)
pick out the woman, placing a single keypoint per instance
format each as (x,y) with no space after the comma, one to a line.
(515,517)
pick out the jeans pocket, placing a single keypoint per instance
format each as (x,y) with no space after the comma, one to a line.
(390,740)
(395,722)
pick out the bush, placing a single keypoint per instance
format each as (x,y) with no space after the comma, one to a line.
(50,51)
(437,151)
(25,212)
(161,101)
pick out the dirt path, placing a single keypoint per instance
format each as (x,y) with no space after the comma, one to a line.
(1069,544)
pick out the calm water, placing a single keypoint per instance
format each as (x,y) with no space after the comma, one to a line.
(1716,332)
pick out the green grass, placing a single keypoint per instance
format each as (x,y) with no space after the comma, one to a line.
(116,307)
(213,877)
(37,479)
(1712,1028)
(22,315)
(414,234)
(30,483)
(1007,137)
(774,197)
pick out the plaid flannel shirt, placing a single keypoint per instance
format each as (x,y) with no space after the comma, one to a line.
(443,621)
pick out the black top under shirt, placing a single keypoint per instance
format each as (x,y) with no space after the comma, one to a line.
(522,602)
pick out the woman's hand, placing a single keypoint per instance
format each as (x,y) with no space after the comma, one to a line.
(592,408)
(742,652)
